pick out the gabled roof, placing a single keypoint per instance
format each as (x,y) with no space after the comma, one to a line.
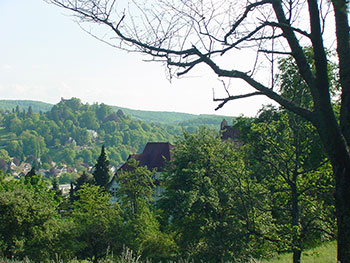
(153,156)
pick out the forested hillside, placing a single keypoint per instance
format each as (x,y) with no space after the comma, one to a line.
(71,133)
(36,106)
(178,118)
(182,119)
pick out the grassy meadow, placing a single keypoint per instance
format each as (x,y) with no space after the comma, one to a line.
(325,253)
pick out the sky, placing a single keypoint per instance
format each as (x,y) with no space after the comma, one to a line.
(46,56)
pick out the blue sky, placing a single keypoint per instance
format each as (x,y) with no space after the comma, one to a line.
(45,55)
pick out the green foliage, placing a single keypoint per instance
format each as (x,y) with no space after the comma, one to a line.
(29,224)
(326,253)
(4,155)
(171,118)
(142,234)
(293,86)
(222,201)
(83,179)
(285,155)
(71,130)
(211,201)
(290,150)
(97,223)
(36,106)
(56,189)
(34,180)
(142,231)
(135,187)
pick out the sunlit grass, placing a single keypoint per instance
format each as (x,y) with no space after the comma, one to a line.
(326,253)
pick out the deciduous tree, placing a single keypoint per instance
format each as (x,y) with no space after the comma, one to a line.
(136,187)
(287,159)
(29,224)
(97,223)
(212,202)
(142,229)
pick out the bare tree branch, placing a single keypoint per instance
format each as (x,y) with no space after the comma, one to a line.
(229,98)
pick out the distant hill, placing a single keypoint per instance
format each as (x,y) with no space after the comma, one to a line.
(157,116)
(173,117)
(37,106)
(181,119)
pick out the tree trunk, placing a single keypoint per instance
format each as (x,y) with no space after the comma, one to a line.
(342,201)
(341,164)
(339,156)
(296,255)
(296,242)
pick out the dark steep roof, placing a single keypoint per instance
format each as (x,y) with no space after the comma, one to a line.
(153,156)
(229,132)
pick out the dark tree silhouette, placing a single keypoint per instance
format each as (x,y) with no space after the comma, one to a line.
(31,177)
(101,171)
(82,180)
(56,188)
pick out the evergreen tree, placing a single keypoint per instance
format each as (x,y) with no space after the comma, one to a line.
(31,173)
(56,188)
(82,180)
(71,192)
(30,111)
(31,177)
(101,171)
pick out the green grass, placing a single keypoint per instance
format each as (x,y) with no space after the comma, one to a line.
(326,253)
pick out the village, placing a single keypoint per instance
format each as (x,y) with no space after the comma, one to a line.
(154,156)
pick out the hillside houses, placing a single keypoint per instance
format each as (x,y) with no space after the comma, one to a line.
(154,156)
(18,168)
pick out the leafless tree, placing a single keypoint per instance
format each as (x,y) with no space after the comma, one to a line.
(183,34)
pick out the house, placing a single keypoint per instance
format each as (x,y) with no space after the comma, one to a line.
(93,134)
(229,132)
(154,156)
(65,188)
